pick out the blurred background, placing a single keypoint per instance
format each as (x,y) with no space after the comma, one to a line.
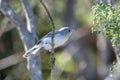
(84,57)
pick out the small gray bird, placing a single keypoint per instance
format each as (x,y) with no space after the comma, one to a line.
(60,37)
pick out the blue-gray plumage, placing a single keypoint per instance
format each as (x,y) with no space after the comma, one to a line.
(60,37)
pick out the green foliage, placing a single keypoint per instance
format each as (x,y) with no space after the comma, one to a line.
(107,21)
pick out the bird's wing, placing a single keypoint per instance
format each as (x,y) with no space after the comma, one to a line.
(49,35)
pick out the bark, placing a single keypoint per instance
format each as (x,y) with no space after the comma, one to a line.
(104,56)
(11,60)
(27,37)
(30,17)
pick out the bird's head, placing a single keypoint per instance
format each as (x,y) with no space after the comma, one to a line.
(66,31)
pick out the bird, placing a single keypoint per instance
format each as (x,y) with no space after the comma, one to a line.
(60,38)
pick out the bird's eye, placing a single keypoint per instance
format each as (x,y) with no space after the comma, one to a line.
(69,30)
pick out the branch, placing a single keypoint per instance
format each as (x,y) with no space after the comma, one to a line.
(3,25)
(30,18)
(52,40)
(20,25)
(27,39)
(48,13)
(5,22)
(117,52)
(11,60)
(35,72)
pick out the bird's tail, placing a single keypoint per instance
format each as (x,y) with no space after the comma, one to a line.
(33,50)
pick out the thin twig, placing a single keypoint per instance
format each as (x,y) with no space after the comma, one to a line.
(52,39)
(51,19)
